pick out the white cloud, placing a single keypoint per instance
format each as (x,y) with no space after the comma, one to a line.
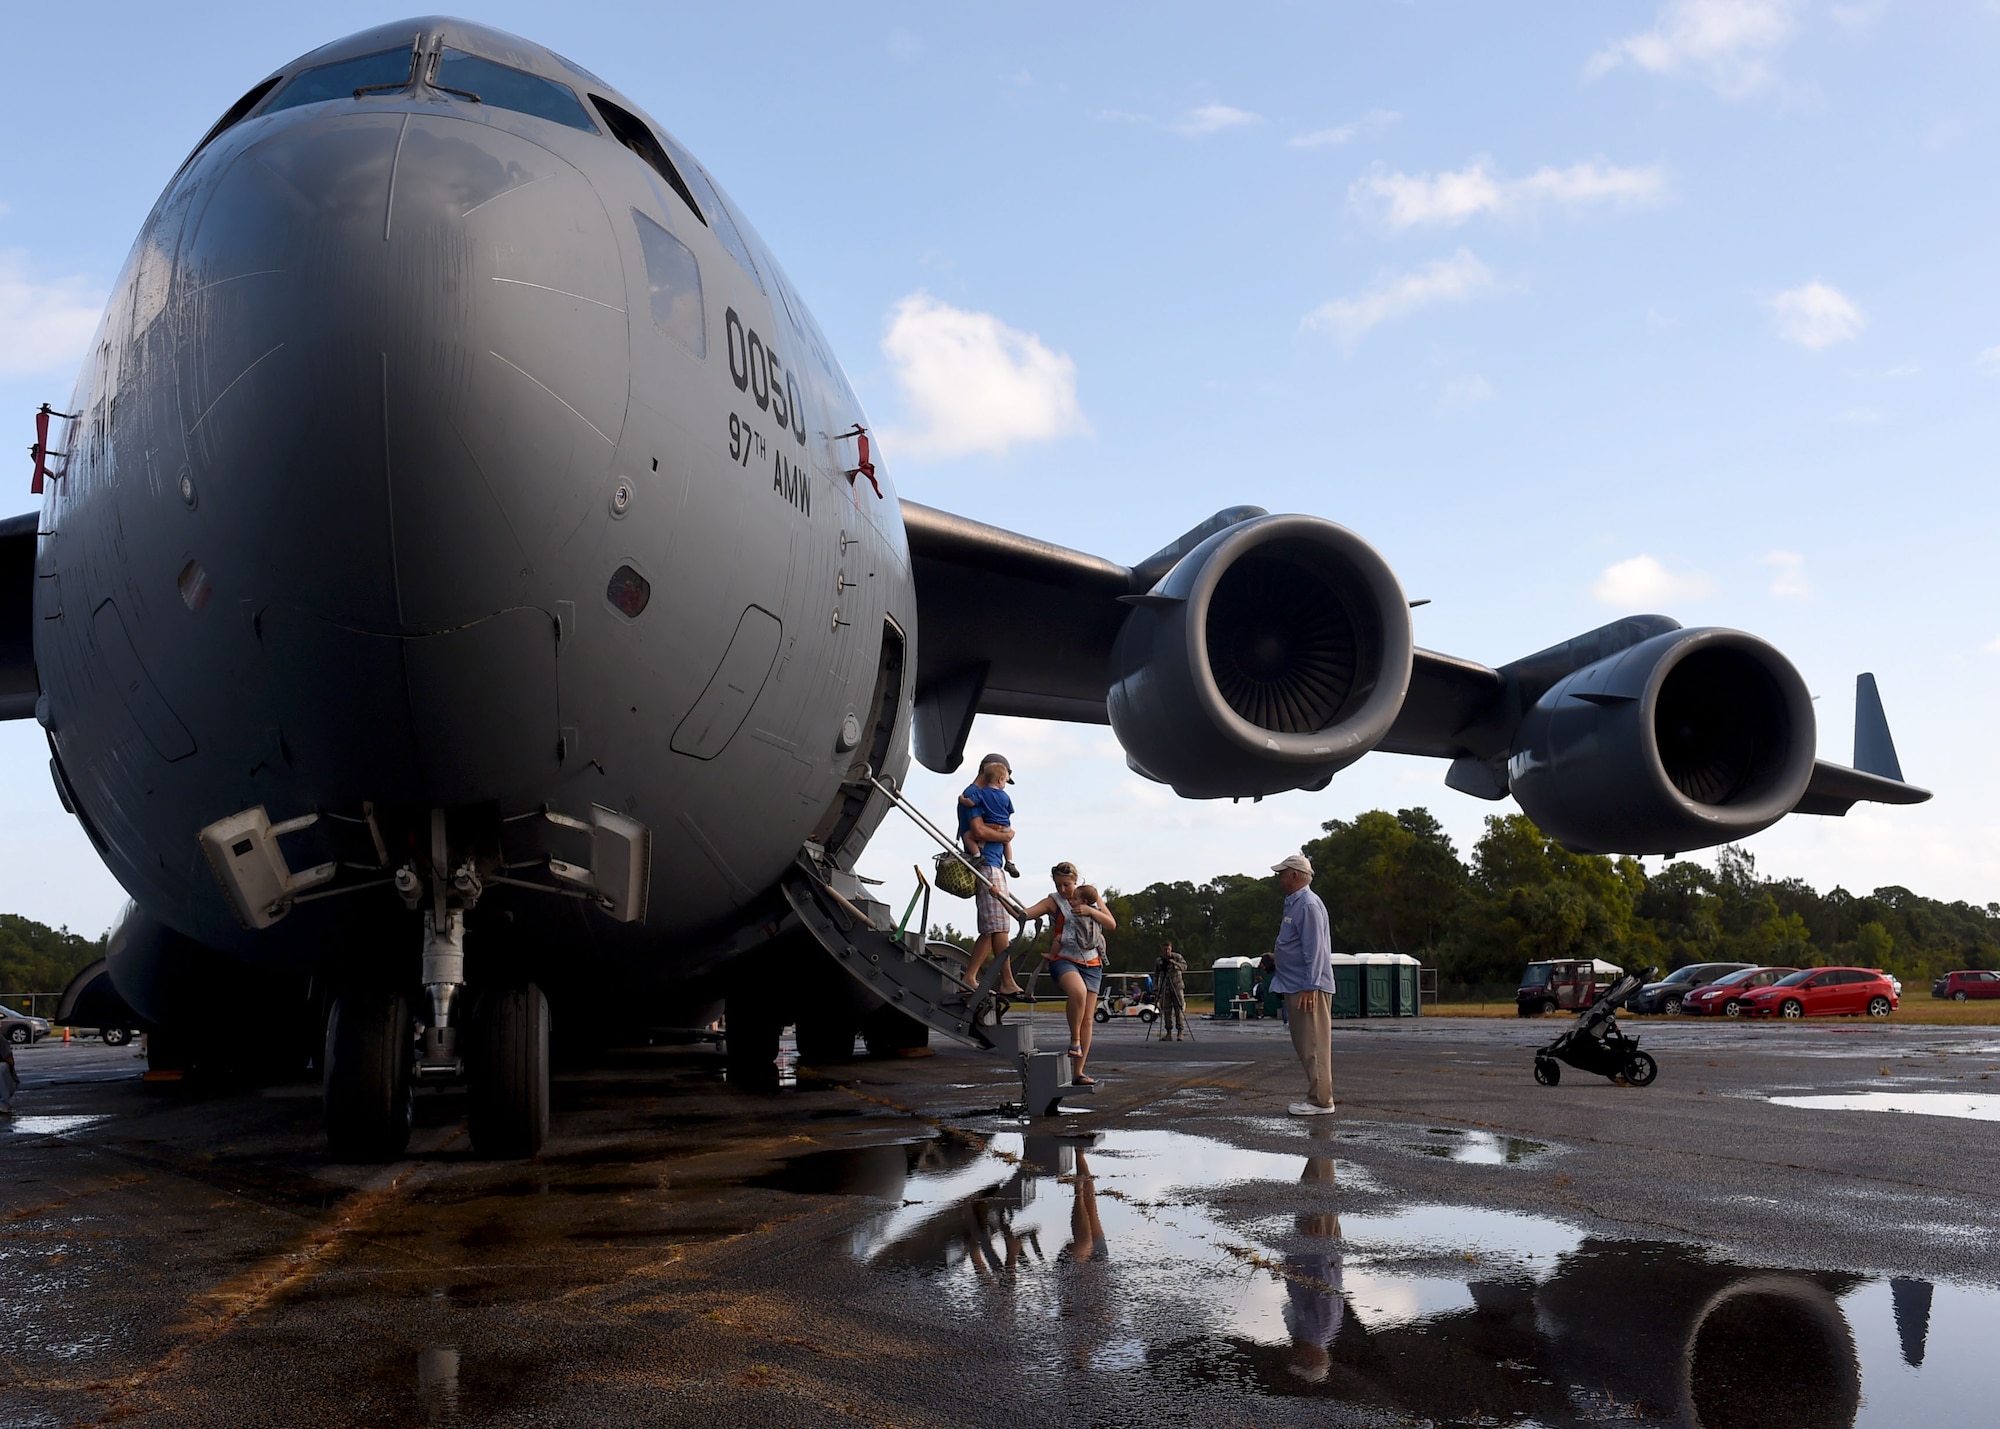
(1213,119)
(45,323)
(1644,581)
(1343,133)
(1816,315)
(973,384)
(1988,362)
(1394,295)
(1727,43)
(1400,201)
(1788,581)
(1992,647)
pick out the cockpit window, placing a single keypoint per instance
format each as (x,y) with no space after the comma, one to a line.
(716,212)
(674,279)
(631,131)
(340,79)
(501,86)
(516,89)
(234,115)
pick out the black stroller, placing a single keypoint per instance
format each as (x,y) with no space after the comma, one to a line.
(1596,1043)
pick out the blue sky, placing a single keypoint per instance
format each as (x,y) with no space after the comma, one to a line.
(1574,310)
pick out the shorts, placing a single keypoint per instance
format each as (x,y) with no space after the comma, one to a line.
(993,914)
(1091,973)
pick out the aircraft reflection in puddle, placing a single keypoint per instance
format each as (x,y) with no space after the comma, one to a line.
(1161,1251)
(1972,1106)
(46,1125)
(1481,1148)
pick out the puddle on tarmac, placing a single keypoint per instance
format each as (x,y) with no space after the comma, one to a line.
(1481,1148)
(1207,1265)
(437,1383)
(46,1125)
(1970,1106)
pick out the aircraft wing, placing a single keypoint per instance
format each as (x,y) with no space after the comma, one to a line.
(1013,625)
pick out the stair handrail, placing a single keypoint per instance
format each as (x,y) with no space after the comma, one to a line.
(922,821)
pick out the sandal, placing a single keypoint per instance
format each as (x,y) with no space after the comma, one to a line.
(1082,1081)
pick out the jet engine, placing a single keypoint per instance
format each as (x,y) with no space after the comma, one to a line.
(1274,654)
(1691,738)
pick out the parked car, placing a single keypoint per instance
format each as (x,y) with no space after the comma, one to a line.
(1670,993)
(1563,984)
(21,1029)
(1724,996)
(1824,992)
(1960,986)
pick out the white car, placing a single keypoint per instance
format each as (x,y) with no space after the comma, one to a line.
(21,1029)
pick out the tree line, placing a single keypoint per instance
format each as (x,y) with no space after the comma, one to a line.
(37,958)
(1396,883)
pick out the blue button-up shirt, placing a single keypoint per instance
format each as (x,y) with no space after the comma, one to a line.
(1305,947)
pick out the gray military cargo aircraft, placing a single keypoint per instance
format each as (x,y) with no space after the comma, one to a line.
(464,583)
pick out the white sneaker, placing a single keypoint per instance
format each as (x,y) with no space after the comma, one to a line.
(1311,1109)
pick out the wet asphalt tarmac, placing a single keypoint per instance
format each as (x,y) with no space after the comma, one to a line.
(879,1244)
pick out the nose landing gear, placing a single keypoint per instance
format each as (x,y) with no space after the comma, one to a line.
(492,1039)
(368,1087)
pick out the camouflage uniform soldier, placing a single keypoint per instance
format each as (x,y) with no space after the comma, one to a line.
(1169,976)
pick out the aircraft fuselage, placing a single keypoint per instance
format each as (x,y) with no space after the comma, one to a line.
(435,454)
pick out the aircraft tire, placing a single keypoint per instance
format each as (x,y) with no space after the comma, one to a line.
(507,1073)
(751,1033)
(826,1040)
(891,1033)
(366,1091)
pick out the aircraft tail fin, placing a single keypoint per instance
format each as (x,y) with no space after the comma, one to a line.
(1874,749)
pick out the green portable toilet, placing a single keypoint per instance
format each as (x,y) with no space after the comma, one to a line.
(1232,976)
(1408,998)
(1380,976)
(1347,979)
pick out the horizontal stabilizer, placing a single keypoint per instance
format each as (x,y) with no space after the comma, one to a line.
(1835,789)
(1877,775)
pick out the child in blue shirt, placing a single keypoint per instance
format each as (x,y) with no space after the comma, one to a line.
(988,802)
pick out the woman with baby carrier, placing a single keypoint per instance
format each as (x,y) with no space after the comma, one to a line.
(1076,956)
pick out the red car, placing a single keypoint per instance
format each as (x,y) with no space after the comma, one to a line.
(1824,992)
(1959,986)
(1726,996)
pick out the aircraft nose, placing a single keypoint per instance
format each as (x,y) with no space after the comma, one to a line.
(404,337)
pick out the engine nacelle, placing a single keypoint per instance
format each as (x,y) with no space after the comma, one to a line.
(1691,738)
(1272,655)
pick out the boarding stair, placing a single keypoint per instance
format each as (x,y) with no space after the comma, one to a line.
(920,978)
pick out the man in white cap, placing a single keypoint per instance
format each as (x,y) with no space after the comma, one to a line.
(1304,952)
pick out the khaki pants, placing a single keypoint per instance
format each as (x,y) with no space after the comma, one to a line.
(1312,1039)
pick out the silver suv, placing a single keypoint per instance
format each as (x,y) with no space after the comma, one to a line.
(21,1029)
